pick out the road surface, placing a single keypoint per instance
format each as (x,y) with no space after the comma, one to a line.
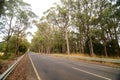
(53,68)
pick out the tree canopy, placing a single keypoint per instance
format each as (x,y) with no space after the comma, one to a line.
(15,21)
(80,26)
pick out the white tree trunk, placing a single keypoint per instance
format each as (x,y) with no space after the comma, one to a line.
(67,42)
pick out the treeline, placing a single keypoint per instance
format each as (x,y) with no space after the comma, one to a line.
(80,26)
(15,18)
(23,45)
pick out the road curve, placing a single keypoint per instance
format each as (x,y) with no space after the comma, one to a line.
(53,68)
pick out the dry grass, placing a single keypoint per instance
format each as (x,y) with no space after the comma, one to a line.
(5,64)
(76,57)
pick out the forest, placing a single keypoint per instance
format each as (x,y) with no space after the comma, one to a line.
(15,19)
(79,26)
(90,27)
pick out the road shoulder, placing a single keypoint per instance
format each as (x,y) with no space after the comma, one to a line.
(23,71)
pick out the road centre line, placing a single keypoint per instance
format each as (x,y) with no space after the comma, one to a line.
(38,77)
(91,73)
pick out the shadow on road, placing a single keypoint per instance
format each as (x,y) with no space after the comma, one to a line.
(118,77)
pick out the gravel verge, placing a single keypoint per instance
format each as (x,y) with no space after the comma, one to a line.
(23,70)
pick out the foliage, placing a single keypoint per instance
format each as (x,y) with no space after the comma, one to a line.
(15,21)
(23,47)
(1,7)
(85,26)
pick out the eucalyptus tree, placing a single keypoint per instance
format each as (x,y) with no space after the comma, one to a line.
(115,17)
(87,24)
(16,19)
(7,20)
(47,39)
(61,19)
(78,22)
(83,11)
(37,43)
(23,21)
(104,22)
(45,35)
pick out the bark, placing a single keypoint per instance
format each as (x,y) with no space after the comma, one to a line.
(105,49)
(104,43)
(91,46)
(48,50)
(42,49)
(82,48)
(8,36)
(90,42)
(109,31)
(67,42)
(82,45)
(17,46)
(6,49)
(116,43)
(39,50)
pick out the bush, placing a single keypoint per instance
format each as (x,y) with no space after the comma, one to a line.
(22,48)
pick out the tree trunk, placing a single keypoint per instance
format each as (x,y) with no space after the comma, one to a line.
(105,49)
(90,42)
(105,44)
(8,36)
(39,50)
(42,49)
(48,50)
(91,46)
(67,42)
(116,43)
(6,48)
(17,46)
(82,44)
(82,48)
(104,41)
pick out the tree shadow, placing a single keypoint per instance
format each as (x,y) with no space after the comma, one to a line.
(118,77)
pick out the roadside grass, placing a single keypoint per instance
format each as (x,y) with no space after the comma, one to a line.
(76,57)
(6,62)
(9,56)
(83,55)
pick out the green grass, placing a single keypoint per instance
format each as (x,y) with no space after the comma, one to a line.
(9,56)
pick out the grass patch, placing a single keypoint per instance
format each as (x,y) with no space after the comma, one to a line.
(9,56)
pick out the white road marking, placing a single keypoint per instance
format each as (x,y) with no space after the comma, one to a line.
(38,77)
(94,64)
(91,73)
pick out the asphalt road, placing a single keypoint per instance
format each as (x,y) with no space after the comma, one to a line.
(53,68)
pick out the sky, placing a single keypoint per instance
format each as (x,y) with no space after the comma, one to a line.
(38,7)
